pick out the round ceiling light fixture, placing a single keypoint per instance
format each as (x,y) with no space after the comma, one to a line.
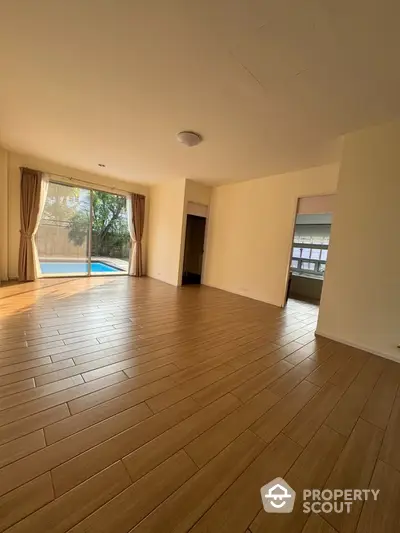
(189,138)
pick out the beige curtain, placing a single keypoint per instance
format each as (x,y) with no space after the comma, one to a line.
(33,197)
(136,206)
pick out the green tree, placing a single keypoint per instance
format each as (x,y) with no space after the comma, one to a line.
(109,224)
(61,202)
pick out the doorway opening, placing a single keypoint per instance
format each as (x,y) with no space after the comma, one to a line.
(309,252)
(194,250)
(309,256)
(83,232)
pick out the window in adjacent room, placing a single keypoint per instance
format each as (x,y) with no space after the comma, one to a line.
(310,248)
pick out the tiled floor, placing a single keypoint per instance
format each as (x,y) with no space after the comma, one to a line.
(127,404)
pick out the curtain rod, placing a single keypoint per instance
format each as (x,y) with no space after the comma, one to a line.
(85,181)
(88,182)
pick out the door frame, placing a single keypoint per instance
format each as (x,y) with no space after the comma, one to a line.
(289,260)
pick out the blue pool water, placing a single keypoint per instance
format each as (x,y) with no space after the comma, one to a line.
(70,267)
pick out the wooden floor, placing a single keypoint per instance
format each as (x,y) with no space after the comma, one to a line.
(130,405)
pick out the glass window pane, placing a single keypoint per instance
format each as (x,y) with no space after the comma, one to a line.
(324,255)
(315,253)
(294,263)
(110,234)
(305,252)
(308,265)
(63,234)
(296,252)
(321,267)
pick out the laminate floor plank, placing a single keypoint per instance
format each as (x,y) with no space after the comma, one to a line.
(13,388)
(266,354)
(143,391)
(17,367)
(57,398)
(25,500)
(183,508)
(215,390)
(345,375)
(353,470)
(52,456)
(14,450)
(310,470)
(234,511)
(39,392)
(326,370)
(307,422)
(382,514)
(175,394)
(61,514)
(70,424)
(276,419)
(302,353)
(288,381)
(126,510)
(390,452)
(344,416)
(256,384)
(316,524)
(85,464)
(129,405)
(379,405)
(27,425)
(148,456)
(211,442)
(23,375)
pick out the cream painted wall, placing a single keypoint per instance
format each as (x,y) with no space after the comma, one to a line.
(167,226)
(3,215)
(251,228)
(167,203)
(361,295)
(197,193)
(315,205)
(15,161)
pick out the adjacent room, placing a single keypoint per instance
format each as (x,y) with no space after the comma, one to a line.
(309,255)
(310,247)
(199,266)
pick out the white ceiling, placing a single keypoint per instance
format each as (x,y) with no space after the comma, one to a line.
(269,84)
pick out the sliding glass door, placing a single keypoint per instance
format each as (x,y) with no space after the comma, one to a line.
(83,232)
(110,234)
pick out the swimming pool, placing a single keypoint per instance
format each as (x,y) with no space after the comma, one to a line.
(77,267)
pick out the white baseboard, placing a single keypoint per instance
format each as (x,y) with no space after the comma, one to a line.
(358,346)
